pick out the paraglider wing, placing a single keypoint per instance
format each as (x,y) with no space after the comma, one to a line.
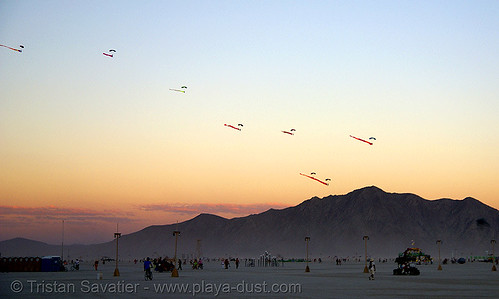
(14,49)
(233,127)
(370,143)
(183,87)
(315,179)
(372,138)
(109,54)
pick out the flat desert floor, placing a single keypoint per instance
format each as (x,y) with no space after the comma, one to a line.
(325,280)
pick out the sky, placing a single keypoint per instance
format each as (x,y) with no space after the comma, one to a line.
(96,141)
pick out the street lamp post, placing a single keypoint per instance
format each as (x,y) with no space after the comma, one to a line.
(62,244)
(175,271)
(117,235)
(493,242)
(439,264)
(365,238)
(307,239)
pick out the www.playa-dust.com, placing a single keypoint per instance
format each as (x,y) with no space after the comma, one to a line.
(242,287)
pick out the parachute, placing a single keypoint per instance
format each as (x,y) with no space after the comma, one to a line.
(370,143)
(182,89)
(234,127)
(315,179)
(13,49)
(109,54)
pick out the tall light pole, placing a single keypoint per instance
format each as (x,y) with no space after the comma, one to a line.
(198,248)
(307,239)
(62,244)
(439,264)
(175,271)
(365,238)
(117,235)
(493,242)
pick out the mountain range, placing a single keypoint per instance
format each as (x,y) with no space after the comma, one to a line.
(335,224)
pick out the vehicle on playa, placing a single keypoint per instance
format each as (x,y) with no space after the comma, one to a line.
(408,259)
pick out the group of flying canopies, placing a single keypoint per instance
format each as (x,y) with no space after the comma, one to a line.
(291,132)
(111,52)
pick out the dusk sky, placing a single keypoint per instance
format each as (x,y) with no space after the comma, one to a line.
(95,141)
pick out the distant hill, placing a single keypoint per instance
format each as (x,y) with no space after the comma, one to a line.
(335,224)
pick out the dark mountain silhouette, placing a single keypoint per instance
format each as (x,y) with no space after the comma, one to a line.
(335,224)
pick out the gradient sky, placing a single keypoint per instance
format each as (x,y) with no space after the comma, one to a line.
(96,141)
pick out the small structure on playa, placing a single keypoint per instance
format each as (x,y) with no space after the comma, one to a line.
(32,264)
(408,259)
(268,260)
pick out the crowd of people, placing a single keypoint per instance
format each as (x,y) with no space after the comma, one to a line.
(196,264)
(163,264)
(167,264)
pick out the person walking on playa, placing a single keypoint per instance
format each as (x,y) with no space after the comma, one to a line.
(147,268)
(372,269)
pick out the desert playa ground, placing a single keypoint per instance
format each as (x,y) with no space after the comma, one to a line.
(325,280)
